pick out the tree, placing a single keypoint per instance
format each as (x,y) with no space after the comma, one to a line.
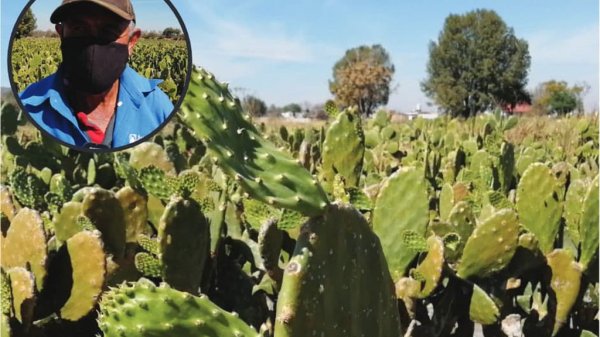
(27,24)
(171,33)
(477,63)
(362,78)
(292,107)
(254,106)
(557,97)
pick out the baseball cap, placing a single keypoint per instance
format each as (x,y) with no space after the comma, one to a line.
(122,8)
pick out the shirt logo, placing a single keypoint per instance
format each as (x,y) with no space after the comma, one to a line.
(133,137)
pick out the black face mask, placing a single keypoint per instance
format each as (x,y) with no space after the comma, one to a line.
(92,65)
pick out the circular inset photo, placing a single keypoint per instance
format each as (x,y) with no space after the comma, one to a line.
(99,75)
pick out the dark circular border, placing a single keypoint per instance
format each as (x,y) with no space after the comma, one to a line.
(83,149)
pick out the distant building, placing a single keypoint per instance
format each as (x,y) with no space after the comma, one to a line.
(518,109)
(295,116)
(418,112)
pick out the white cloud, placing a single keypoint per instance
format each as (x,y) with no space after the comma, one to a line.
(270,42)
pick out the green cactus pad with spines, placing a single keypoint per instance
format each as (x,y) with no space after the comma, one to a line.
(402,205)
(88,261)
(65,222)
(156,182)
(141,309)
(414,241)
(147,154)
(588,229)
(22,284)
(431,267)
(538,205)
(565,282)
(446,201)
(506,166)
(135,210)
(5,330)
(104,211)
(85,223)
(337,282)
(5,293)
(148,265)
(491,246)
(482,308)
(574,199)
(256,213)
(155,210)
(498,200)
(7,205)
(343,149)
(264,172)
(359,199)
(28,188)
(25,244)
(61,186)
(148,244)
(184,239)
(270,240)
(290,219)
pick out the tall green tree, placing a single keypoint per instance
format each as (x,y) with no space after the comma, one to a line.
(254,106)
(27,24)
(477,63)
(363,78)
(558,97)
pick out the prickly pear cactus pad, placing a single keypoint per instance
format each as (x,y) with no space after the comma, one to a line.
(402,205)
(431,267)
(344,148)
(491,246)
(7,206)
(265,172)
(5,293)
(572,211)
(25,243)
(141,309)
(482,308)
(88,261)
(589,225)
(337,282)
(135,209)
(104,210)
(149,153)
(566,280)
(184,238)
(65,222)
(22,285)
(538,205)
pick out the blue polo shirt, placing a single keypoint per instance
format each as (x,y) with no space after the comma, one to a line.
(141,108)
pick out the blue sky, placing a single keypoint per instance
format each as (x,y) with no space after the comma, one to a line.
(283,51)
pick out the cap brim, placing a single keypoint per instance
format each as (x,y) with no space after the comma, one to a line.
(57,15)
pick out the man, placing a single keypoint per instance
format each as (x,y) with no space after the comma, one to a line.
(95,100)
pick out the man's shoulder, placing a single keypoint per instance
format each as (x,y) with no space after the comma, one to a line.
(39,88)
(147,90)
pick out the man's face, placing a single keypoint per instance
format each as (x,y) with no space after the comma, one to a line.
(89,20)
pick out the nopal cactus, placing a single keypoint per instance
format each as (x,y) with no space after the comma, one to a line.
(132,310)
(184,241)
(265,172)
(402,205)
(337,282)
(538,205)
(343,149)
(26,245)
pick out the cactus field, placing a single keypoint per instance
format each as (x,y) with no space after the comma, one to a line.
(219,226)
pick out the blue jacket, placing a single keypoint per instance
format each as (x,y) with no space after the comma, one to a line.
(142,107)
